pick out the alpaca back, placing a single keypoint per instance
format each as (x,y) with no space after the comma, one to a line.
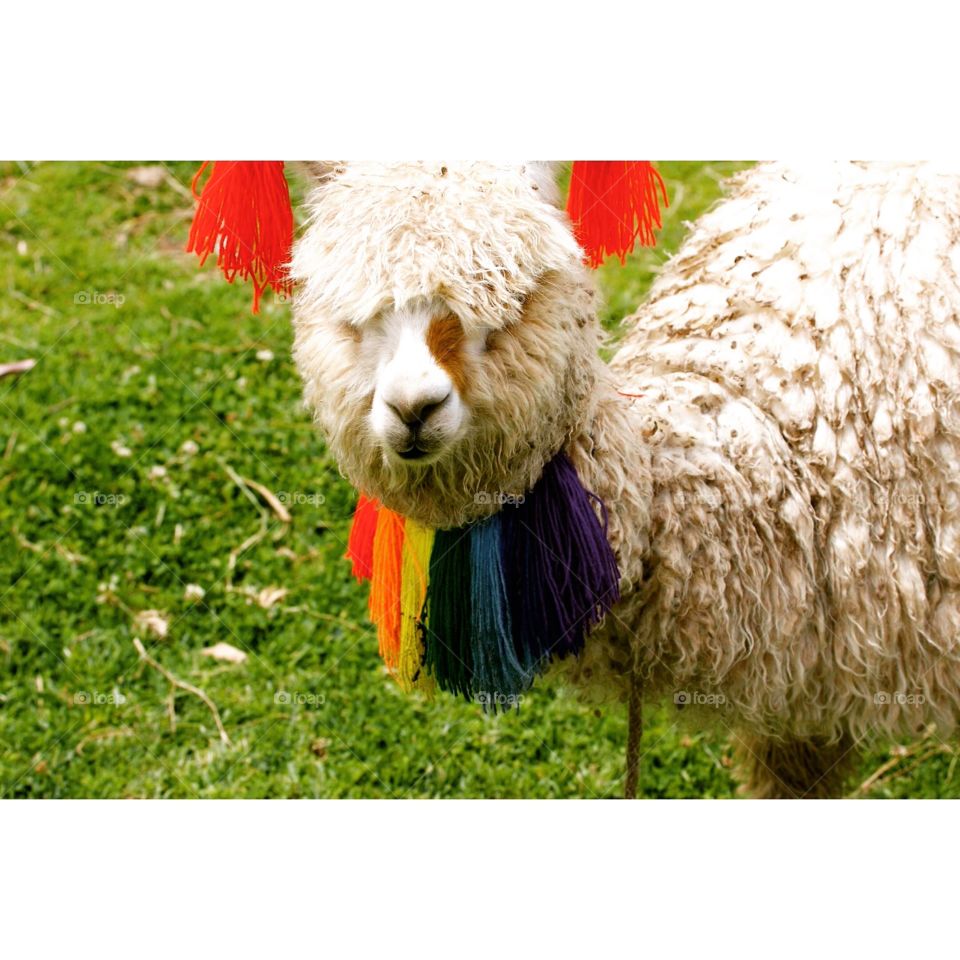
(807,334)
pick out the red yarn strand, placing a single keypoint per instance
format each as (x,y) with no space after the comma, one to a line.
(360,543)
(244,214)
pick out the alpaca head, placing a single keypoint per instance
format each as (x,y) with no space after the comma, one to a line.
(445,330)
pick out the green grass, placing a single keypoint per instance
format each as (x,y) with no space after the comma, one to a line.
(105,514)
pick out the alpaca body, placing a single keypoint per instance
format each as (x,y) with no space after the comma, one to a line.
(776,440)
(796,370)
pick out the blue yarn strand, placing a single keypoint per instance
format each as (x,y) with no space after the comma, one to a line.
(498,674)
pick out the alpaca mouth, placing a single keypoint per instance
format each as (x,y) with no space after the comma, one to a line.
(414,452)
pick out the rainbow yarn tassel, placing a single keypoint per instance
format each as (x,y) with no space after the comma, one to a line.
(483,609)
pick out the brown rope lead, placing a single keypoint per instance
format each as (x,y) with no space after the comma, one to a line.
(634,734)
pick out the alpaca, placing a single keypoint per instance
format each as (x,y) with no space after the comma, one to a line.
(776,439)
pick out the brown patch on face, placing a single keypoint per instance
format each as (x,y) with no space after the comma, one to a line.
(445,343)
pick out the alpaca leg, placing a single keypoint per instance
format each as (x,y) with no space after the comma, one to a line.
(793,769)
(634,735)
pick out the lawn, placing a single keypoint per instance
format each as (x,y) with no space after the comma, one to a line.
(161,490)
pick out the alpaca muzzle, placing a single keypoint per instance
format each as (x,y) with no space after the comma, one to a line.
(423,438)
(416,413)
(419,427)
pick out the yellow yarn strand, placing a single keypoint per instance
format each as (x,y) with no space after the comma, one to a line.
(385,585)
(415,564)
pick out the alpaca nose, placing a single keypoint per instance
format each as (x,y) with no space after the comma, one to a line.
(414,412)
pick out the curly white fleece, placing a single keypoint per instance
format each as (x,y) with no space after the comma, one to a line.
(798,363)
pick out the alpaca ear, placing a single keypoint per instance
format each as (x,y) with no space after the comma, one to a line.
(544,174)
(317,171)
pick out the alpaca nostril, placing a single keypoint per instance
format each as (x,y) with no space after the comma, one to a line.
(416,414)
(428,408)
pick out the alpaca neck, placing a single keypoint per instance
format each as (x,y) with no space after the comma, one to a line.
(710,522)
(614,462)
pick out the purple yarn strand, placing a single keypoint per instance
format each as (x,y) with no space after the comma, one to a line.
(562,572)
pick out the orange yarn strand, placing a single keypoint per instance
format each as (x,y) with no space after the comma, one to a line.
(386,583)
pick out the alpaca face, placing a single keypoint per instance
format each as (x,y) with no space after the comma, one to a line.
(444,331)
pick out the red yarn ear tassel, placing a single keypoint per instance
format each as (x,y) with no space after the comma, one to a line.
(244,213)
(613,204)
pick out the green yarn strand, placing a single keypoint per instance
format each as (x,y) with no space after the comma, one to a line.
(447,621)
